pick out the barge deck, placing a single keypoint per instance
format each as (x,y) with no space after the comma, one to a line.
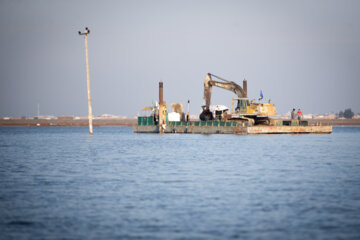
(146,125)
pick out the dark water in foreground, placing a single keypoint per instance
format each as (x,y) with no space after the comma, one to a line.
(61,183)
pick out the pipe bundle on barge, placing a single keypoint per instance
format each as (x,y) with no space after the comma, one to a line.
(159,122)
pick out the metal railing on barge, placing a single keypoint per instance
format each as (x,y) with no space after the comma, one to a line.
(149,121)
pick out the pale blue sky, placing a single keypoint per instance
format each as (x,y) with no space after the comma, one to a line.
(299,53)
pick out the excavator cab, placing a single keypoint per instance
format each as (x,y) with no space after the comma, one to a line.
(241,106)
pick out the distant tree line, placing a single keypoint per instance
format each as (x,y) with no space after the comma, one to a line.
(347,113)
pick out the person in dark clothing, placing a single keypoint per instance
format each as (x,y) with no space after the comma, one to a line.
(293,114)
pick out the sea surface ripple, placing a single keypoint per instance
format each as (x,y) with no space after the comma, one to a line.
(61,183)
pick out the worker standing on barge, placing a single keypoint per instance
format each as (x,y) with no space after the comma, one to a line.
(299,114)
(293,114)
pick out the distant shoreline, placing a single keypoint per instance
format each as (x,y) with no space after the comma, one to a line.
(67,122)
(131,122)
(335,122)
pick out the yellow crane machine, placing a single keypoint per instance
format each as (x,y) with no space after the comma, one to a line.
(242,109)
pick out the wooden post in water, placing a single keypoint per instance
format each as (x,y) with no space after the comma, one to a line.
(85,33)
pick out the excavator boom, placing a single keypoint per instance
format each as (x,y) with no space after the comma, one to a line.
(223,83)
(228,85)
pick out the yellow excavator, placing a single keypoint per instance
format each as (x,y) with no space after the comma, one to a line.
(245,110)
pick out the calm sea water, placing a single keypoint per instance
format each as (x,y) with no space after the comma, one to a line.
(61,183)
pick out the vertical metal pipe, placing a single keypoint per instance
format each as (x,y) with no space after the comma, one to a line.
(188,114)
(88,87)
(161,108)
(161,93)
(245,87)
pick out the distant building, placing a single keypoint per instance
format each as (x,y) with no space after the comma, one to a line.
(108,116)
(330,116)
(64,117)
(46,117)
(19,118)
(81,118)
(285,116)
(307,116)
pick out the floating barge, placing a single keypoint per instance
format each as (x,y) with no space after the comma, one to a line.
(147,125)
(158,122)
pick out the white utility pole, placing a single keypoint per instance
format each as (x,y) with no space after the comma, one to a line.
(85,33)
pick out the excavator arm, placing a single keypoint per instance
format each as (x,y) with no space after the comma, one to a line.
(225,84)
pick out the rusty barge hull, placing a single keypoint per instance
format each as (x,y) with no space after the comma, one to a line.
(242,130)
(289,129)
